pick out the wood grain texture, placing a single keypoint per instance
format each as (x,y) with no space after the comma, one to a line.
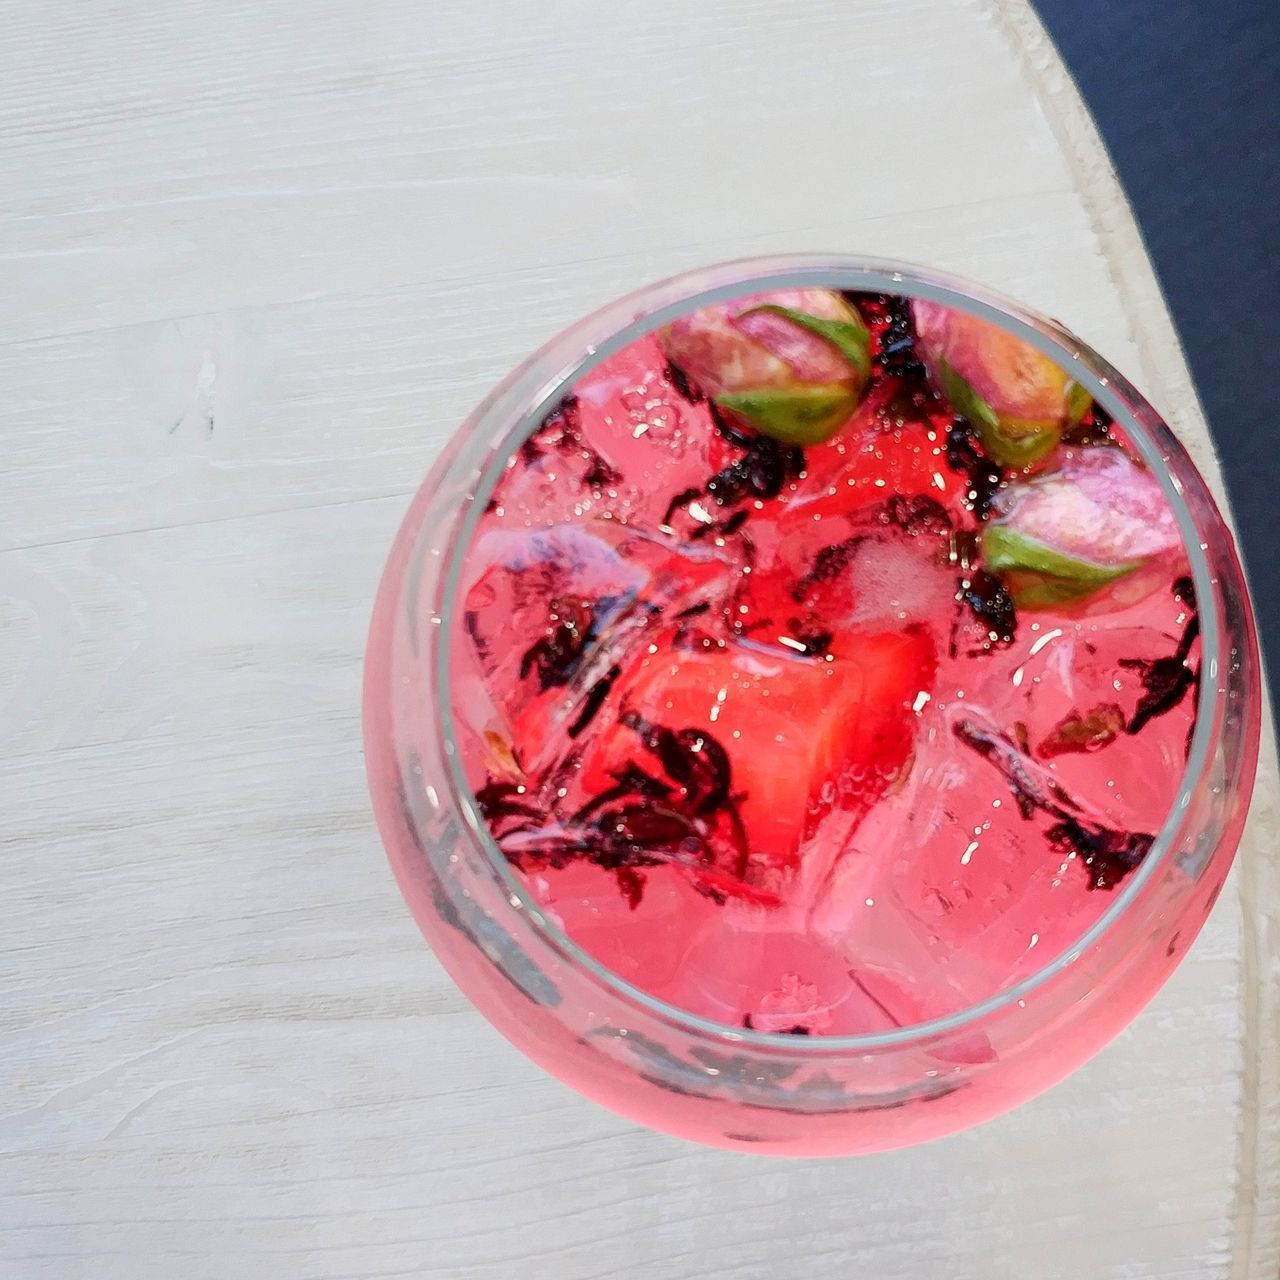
(259,259)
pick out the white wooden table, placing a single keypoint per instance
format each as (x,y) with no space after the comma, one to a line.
(257,258)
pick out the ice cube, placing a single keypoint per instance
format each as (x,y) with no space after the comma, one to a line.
(551,615)
(813,591)
(621,448)
(898,580)
(1065,672)
(891,955)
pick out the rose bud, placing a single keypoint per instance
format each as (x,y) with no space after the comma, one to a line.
(1016,397)
(792,364)
(1099,534)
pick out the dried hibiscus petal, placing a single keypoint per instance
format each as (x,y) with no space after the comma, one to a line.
(1083,732)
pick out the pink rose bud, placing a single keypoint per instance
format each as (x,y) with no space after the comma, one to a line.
(1097,534)
(1016,397)
(792,364)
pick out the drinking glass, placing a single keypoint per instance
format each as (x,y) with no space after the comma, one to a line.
(670,1069)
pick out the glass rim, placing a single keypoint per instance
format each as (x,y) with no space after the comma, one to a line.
(576,350)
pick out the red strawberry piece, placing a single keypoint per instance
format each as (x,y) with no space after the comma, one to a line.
(760,743)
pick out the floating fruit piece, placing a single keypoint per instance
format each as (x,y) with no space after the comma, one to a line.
(792,364)
(1017,398)
(1097,534)
(756,742)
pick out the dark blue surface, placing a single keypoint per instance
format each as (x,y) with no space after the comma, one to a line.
(1187,98)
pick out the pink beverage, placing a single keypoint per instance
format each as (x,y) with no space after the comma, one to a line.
(824,665)
(760,727)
